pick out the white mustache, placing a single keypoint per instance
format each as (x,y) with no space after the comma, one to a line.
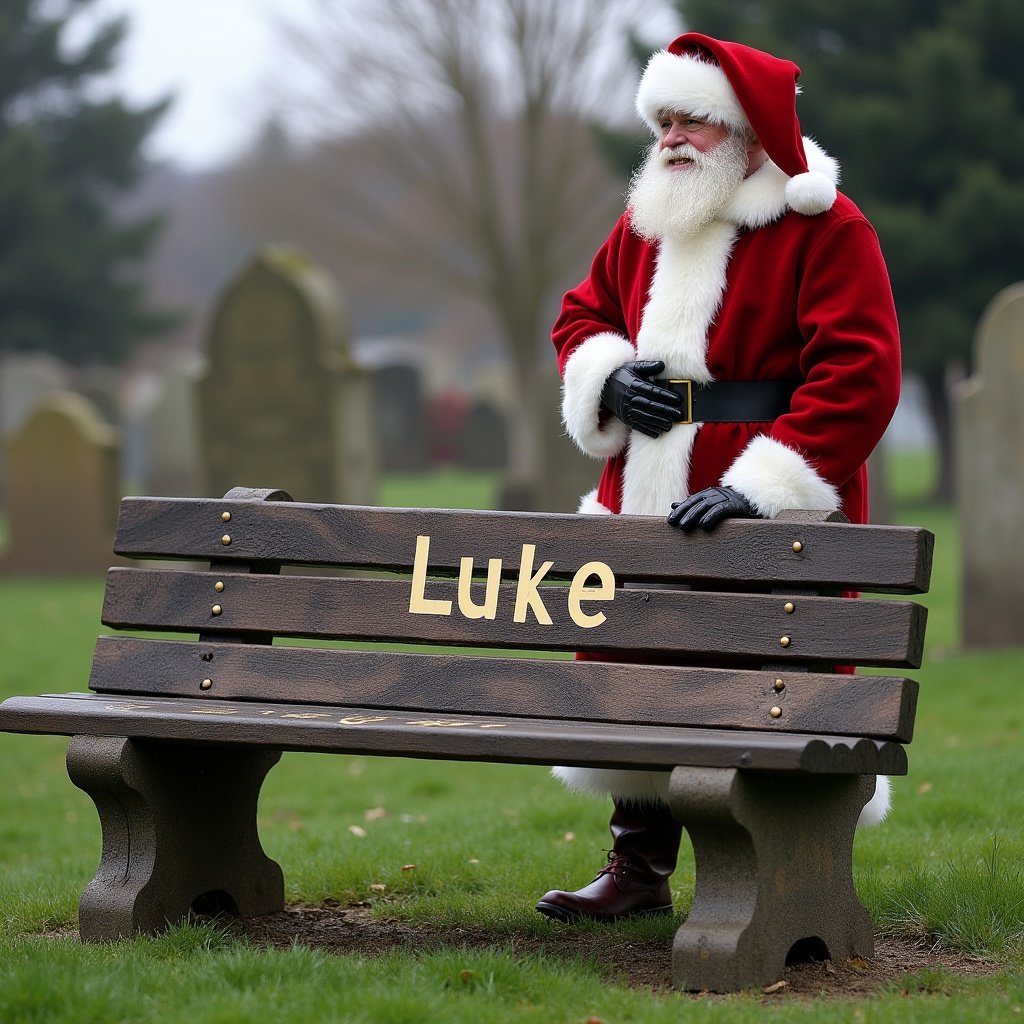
(685,150)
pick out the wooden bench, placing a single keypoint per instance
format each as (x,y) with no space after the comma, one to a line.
(772,755)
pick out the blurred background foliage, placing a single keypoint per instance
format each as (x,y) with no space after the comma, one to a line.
(71,276)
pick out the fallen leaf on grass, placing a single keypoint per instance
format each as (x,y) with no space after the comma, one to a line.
(378,887)
(375,814)
(409,867)
(356,830)
(777,987)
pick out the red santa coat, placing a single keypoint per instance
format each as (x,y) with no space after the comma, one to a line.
(761,293)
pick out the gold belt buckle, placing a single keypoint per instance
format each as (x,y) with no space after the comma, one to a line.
(689,399)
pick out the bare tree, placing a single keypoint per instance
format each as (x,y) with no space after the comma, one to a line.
(479,173)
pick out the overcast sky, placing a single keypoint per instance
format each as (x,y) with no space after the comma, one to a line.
(215,55)
(220,58)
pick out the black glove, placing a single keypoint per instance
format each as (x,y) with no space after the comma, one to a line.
(638,403)
(709,507)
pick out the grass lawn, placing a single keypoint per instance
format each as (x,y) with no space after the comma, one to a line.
(453,846)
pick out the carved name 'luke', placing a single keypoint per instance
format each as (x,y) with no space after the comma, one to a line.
(528,596)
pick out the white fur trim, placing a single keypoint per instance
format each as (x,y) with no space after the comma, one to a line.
(810,193)
(648,786)
(685,295)
(689,85)
(615,782)
(776,477)
(656,471)
(765,196)
(590,506)
(759,199)
(877,807)
(819,161)
(585,373)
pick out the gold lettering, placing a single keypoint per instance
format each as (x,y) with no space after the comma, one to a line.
(212,711)
(578,593)
(489,609)
(362,719)
(493,725)
(527,595)
(418,604)
(440,723)
(306,715)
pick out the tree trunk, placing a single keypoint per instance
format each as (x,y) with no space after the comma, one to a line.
(520,488)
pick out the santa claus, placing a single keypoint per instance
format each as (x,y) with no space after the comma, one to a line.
(734,351)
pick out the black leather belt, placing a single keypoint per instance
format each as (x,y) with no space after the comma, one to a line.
(731,401)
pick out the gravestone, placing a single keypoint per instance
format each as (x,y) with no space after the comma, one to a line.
(170,435)
(990,477)
(24,378)
(400,418)
(483,440)
(101,385)
(567,474)
(281,403)
(63,488)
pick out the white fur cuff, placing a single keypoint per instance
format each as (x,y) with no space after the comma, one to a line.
(590,506)
(776,477)
(585,373)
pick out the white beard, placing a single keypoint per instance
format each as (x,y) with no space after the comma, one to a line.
(676,204)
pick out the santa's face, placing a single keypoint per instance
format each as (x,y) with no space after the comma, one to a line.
(687,129)
(690,174)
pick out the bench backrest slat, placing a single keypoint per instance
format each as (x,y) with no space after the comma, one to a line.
(847,557)
(737,630)
(881,707)
(683,624)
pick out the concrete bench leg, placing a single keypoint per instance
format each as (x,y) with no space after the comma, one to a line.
(179,832)
(774,874)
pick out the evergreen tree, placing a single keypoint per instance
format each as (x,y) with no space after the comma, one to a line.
(69,271)
(922,103)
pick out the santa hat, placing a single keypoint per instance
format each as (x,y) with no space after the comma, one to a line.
(741,87)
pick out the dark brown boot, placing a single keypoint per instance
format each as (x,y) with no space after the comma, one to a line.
(635,880)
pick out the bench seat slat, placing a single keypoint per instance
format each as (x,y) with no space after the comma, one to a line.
(313,727)
(685,624)
(877,706)
(872,559)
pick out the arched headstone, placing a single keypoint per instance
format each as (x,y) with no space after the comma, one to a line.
(281,404)
(990,474)
(63,488)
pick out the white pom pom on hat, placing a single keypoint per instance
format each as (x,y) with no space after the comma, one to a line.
(736,85)
(810,192)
